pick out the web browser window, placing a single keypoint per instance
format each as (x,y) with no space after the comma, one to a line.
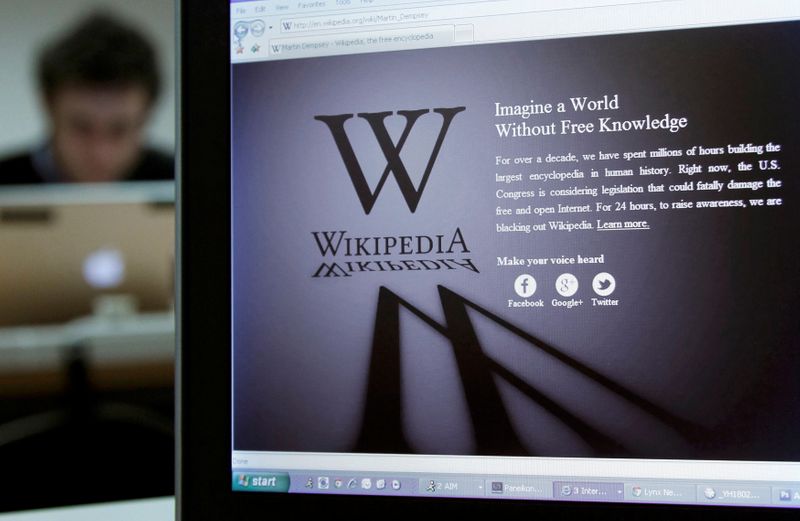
(516,249)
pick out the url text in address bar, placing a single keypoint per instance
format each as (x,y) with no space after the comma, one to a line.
(321,23)
(334,22)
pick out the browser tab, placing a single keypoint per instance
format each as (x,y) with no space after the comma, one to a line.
(300,47)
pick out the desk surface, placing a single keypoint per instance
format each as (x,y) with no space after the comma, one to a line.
(121,352)
(159,509)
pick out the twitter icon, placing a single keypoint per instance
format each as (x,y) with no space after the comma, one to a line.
(604,284)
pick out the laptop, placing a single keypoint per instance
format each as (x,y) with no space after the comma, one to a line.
(491,257)
(71,251)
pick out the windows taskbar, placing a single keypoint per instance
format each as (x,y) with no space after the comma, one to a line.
(679,492)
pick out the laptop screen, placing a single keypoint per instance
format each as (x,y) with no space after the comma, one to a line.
(516,250)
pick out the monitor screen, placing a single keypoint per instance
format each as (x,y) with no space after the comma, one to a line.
(516,250)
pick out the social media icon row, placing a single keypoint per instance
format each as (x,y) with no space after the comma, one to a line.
(567,285)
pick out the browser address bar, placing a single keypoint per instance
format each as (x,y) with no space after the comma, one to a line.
(439,13)
(321,23)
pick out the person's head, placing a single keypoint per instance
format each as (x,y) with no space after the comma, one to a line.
(98,84)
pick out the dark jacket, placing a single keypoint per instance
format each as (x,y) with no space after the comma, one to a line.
(35,167)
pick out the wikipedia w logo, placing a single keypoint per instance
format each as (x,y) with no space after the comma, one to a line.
(391,152)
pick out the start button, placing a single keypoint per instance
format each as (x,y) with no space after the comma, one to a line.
(261,482)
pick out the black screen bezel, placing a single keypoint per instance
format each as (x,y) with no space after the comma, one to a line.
(203,384)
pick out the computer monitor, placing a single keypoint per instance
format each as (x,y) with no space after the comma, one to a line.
(497,255)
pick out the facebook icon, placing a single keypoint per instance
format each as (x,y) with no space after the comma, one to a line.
(525,285)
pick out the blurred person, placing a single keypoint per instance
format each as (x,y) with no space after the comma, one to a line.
(98,84)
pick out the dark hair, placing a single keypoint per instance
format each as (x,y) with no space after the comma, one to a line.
(99,51)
